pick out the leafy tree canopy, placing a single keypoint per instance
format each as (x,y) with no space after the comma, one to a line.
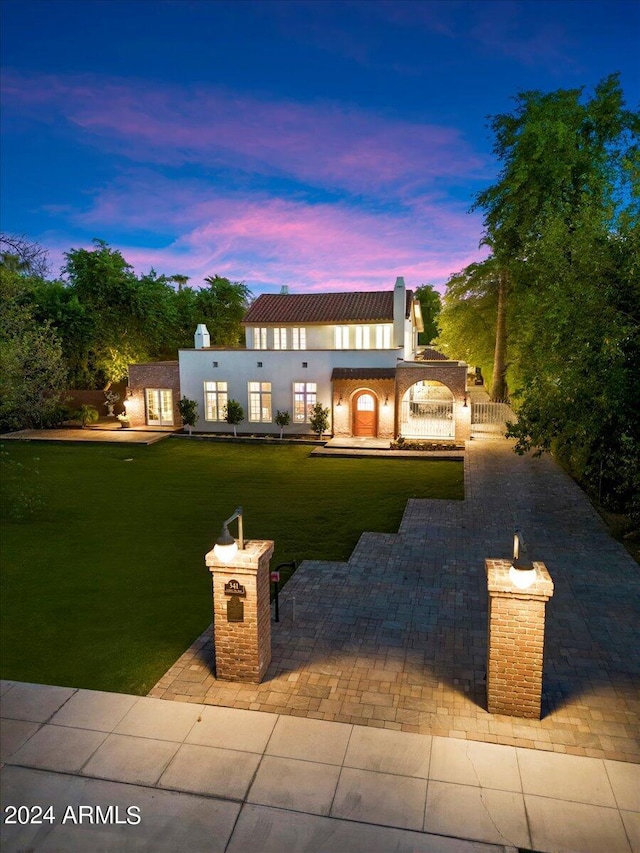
(430,306)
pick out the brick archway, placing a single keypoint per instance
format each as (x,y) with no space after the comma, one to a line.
(451,374)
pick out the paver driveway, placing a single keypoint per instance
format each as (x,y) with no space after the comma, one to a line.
(396,636)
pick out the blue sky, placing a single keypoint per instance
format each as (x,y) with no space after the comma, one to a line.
(322,145)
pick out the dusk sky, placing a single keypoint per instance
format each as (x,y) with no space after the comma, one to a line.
(321,145)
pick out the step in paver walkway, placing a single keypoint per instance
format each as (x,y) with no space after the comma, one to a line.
(97,772)
(395,638)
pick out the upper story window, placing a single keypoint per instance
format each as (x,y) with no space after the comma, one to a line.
(259,338)
(280,338)
(298,338)
(342,337)
(304,399)
(363,337)
(215,400)
(383,336)
(260,402)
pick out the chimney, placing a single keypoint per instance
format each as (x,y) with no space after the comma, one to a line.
(399,312)
(201,339)
(284,290)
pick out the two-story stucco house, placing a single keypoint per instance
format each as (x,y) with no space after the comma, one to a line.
(355,353)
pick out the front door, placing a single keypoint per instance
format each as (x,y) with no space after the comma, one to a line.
(159,406)
(364,415)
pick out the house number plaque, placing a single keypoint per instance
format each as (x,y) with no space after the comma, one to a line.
(234,588)
(235,607)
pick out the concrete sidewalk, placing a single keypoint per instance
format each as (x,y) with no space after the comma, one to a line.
(171,776)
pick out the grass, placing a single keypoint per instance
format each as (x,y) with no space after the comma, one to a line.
(103,580)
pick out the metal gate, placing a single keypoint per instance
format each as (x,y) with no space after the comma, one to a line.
(427,419)
(490,419)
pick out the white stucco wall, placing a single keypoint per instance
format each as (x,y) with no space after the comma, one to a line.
(280,367)
(320,336)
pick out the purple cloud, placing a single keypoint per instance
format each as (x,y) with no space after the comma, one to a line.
(390,217)
(268,241)
(325,145)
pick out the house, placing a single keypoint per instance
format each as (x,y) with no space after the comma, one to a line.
(355,353)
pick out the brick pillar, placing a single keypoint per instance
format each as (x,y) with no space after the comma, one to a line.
(242,613)
(462,419)
(515,641)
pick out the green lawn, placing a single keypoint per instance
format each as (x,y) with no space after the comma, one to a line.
(105,585)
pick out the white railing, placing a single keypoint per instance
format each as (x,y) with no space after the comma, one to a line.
(428,419)
(491,413)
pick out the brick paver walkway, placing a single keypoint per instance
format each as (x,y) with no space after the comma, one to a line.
(396,636)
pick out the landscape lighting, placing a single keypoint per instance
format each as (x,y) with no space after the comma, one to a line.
(226,546)
(522,572)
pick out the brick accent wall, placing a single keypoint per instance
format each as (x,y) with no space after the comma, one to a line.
(515,641)
(242,649)
(155,374)
(451,374)
(345,389)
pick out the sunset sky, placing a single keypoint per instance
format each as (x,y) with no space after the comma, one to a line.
(321,145)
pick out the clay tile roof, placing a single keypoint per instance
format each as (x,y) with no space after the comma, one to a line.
(304,308)
(431,354)
(363,373)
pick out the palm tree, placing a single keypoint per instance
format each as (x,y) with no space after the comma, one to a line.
(180,280)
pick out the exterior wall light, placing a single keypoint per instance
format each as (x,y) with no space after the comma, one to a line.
(226,546)
(522,572)
(386,401)
(339,404)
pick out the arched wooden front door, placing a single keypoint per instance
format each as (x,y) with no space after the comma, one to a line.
(365,414)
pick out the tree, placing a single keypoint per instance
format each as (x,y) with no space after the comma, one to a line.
(57,304)
(562,219)
(319,420)
(473,321)
(104,284)
(282,419)
(22,255)
(430,306)
(180,280)
(222,305)
(188,412)
(126,319)
(33,376)
(233,415)
(87,414)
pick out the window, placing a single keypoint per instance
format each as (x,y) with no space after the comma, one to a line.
(299,338)
(363,337)
(260,402)
(259,338)
(304,399)
(215,400)
(279,338)
(383,336)
(342,337)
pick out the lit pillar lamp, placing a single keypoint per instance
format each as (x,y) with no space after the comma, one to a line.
(518,592)
(226,547)
(522,571)
(241,604)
